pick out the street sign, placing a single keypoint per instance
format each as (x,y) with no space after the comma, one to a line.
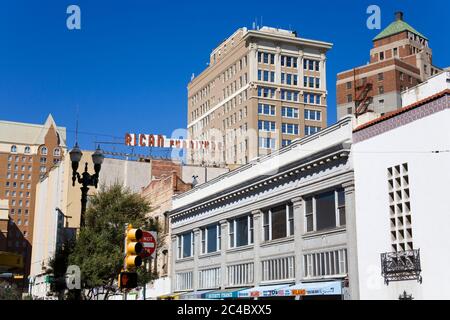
(149,240)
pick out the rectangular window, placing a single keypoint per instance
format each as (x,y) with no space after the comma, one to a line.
(268,126)
(314,115)
(278,269)
(184,281)
(309,130)
(265,92)
(209,278)
(241,231)
(266,109)
(185,245)
(278,222)
(289,128)
(240,274)
(325,264)
(289,112)
(325,211)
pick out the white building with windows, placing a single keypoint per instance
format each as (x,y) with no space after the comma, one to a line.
(280,226)
(402,183)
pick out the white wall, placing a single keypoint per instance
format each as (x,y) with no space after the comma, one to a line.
(429,176)
(426,89)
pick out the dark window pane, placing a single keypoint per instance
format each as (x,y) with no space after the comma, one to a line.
(212,238)
(242,231)
(325,211)
(186,245)
(279,222)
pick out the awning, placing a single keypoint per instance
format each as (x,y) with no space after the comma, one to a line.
(175,296)
(224,294)
(313,289)
(194,295)
(263,291)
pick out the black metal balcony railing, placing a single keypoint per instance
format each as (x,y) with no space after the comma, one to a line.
(401,266)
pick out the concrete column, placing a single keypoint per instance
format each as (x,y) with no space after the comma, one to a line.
(257,239)
(278,66)
(253,63)
(300,70)
(223,249)
(299,228)
(172,261)
(323,73)
(197,248)
(352,254)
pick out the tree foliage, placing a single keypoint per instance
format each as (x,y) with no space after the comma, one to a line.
(9,291)
(99,246)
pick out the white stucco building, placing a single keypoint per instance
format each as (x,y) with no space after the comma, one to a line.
(402,183)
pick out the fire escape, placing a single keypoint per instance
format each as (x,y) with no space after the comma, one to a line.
(363,98)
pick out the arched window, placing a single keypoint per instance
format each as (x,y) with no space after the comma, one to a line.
(14,149)
(27,149)
(44,151)
(57,152)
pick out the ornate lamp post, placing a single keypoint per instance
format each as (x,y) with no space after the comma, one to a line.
(85,179)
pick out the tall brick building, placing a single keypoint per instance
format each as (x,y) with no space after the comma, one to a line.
(27,152)
(400,58)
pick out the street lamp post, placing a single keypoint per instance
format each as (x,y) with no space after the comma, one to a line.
(85,179)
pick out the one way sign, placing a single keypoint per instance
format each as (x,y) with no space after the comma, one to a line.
(149,242)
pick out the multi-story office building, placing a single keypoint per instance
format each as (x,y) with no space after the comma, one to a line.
(400,59)
(262,89)
(27,152)
(282,225)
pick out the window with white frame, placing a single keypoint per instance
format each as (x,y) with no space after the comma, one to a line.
(266,109)
(289,95)
(13,149)
(44,151)
(27,149)
(289,128)
(289,79)
(325,264)
(266,75)
(266,143)
(325,211)
(183,281)
(309,130)
(278,269)
(287,61)
(286,142)
(315,115)
(240,231)
(289,112)
(185,244)
(240,274)
(268,126)
(265,57)
(278,222)
(211,239)
(265,92)
(209,278)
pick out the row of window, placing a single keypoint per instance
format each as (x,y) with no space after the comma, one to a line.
(316,265)
(13,194)
(19,211)
(43,151)
(289,95)
(323,211)
(287,128)
(14,185)
(16,176)
(311,82)
(288,61)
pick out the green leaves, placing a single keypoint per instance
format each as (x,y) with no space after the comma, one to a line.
(99,247)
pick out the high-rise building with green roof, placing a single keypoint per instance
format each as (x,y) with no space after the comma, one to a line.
(400,59)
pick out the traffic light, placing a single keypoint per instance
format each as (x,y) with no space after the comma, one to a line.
(133,249)
(128,280)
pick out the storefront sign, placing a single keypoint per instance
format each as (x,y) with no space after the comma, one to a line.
(161,141)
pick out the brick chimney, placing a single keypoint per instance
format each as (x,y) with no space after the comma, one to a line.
(399,16)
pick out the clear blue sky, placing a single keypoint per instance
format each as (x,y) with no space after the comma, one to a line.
(128,68)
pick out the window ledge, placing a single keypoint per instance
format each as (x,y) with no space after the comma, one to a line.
(243,248)
(185,260)
(315,234)
(210,254)
(277,241)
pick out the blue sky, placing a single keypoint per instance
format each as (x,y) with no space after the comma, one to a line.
(128,67)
